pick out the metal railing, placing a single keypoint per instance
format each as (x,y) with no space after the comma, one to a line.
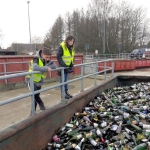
(108,56)
(82,76)
(7,63)
(5,72)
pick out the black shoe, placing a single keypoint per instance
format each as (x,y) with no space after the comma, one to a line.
(42,107)
(68,94)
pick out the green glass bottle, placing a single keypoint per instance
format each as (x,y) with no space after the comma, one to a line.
(142,146)
(146,133)
(73,132)
(104,114)
(102,109)
(109,148)
(138,129)
(140,136)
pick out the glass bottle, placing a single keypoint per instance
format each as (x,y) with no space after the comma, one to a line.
(101,109)
(140,136)
(93,142)
(55,138)
(62,128)
(134,139)
(79,114)
(88,128)
(138,129)
(77,136)
(71,133)
(119,129)
(55,145)
(89,134)
(99,133)
(142,146)
(128,131)
(125,115)
(85,118)
(144,126)
(69,146)
(69,125)
(78,146)
(109,148)
(104,130)
(104,114)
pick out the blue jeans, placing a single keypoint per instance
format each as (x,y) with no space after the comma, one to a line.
(66,75)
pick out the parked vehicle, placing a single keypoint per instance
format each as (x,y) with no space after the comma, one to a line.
(147,53)
(140,53)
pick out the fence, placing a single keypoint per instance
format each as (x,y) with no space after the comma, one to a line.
(82,76)
(9,68)
(108,56)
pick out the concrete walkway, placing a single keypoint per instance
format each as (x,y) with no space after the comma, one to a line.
(16,111)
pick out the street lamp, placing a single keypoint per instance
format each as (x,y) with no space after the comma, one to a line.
(29,25)
(104,34)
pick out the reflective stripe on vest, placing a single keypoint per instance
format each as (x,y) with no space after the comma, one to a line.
(67,57)
(37,76)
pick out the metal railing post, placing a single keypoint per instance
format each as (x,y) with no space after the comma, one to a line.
(112,70)
(105,70)
(32,96)
(82,82)
(5,72)
(63,86)
(96,70)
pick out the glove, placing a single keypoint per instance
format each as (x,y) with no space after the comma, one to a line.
(70,70)
(59,73)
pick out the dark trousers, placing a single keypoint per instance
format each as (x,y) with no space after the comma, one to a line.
(36,96)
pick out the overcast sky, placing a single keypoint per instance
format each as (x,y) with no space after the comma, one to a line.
(14,17)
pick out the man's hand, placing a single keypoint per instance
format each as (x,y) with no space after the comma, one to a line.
(49,69)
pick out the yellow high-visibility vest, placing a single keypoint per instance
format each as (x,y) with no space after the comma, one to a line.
(38,76)
(67,57)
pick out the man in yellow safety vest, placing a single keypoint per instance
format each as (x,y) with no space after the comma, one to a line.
(41,62)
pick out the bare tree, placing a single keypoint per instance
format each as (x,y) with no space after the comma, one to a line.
(37,40)
(55,34)
(107,26)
